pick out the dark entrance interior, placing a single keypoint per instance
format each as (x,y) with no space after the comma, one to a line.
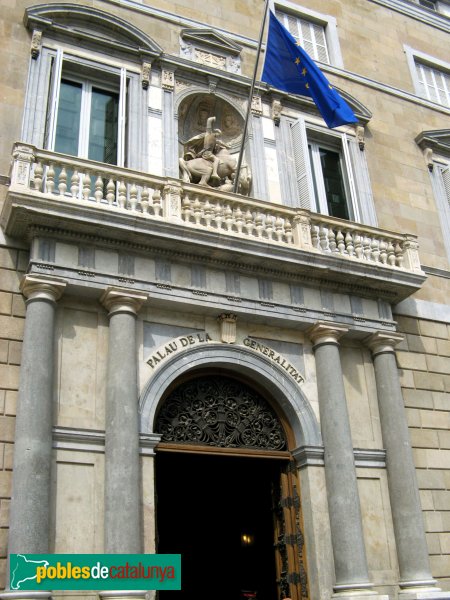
(217,512)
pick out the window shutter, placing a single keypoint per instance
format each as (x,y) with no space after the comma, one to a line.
(302,165)
(53,99)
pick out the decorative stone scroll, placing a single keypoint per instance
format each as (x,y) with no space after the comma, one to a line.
(219,411)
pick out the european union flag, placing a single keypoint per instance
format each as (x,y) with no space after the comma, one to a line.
(288,67)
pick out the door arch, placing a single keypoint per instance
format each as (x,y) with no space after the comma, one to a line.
(230,447)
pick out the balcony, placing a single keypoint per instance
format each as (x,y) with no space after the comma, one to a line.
(66,193)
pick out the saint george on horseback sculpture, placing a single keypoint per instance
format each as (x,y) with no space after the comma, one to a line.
(207,161)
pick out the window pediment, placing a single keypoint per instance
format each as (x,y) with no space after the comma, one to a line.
(437,140)
(210,48)
(92,27)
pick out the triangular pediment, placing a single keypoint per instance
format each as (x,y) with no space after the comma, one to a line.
(211,39)
(437,139)
(91,27)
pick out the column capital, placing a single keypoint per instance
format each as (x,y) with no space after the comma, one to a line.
(116,299)
(326,332)
(383,341)
(42,287)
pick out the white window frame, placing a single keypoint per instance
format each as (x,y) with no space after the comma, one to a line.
(440,179)
(39,124)
(414,58)
(328,22)
(354,170)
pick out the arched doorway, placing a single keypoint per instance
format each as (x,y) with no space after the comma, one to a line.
(227,495)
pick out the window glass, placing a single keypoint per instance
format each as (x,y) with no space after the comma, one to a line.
(68,119)
(333,183)
(103,126)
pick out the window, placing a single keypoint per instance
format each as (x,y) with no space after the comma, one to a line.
(434,84)
(316,32)
(92,103)
(86,111)
(331,173)
(431,76)
(310,35)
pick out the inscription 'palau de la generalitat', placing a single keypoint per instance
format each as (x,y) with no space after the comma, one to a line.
(187,341)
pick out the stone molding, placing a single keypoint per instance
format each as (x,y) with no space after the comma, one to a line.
(93,440)
(381,342)
(35,287)
(119,300)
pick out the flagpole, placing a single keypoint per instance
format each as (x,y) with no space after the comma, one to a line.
(250,99)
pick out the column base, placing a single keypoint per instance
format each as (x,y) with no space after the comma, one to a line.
(25,595)
(357,591)
(123,595)
(423,593)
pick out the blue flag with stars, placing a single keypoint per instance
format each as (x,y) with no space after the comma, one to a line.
(288,67)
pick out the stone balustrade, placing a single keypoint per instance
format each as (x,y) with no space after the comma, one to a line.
(70,179)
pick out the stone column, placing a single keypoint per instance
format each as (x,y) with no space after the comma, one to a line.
(342,491)
(123,531)
(412,552)
(30,501)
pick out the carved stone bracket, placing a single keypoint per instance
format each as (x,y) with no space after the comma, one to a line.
(145,74)
(168,80)
(228,327)
(276,112)
(360,132)
(428,156)
(36,43)
(256,105)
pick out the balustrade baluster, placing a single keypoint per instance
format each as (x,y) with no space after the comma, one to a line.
(375,253)
(207,213)
(358,245)
(366,246)
(340,241)
(98,194)
(110,192)
(239,219)
(218,215)
(399,255)
(349,243)
(197,210)
(332,245)
(383,251)
(288,231)
(228,214)
(323,237)
(133,197)
(391,254)
(279,228)
(249,224)
(145,202)
(315,236)
(156,202)
(86,187)
(269,226)
(75,184)
(259,224)
(186,210)
(38,174)
(50,179)
(62,182)
(122,194)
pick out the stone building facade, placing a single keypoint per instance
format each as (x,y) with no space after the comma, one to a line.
(175,353)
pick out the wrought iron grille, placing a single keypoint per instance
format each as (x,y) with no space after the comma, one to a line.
(219,411)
